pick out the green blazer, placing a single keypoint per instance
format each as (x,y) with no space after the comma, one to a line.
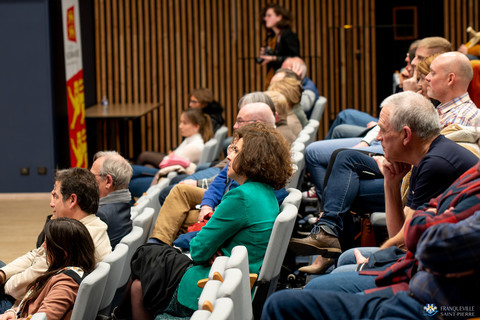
(245,216)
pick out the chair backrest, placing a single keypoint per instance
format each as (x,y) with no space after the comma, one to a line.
(90,293)
(297,147)
(139,206)
(223,310)
(299,163)
(232,287)
(133,240)
(318,108)
(303,137)
(220,136)
(117,260)
(145,220)
(239,260)
(313,124)
(294,197)
(274,256)
(153,195)
(208,153)
(308,100)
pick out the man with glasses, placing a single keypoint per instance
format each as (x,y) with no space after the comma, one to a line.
(179,209)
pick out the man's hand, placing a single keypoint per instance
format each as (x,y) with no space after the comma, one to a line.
(392,170)
(359,256)
(189,182)
(204,210)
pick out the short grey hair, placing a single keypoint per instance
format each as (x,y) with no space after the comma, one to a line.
(414,111)
(117,167)
(256,96)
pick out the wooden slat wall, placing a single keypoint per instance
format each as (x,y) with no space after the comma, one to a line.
(159,50)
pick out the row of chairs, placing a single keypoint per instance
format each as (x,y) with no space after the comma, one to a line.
(227,293)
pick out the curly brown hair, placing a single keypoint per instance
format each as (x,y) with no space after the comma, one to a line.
(264,157)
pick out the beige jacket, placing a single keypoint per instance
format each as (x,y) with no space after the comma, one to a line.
(25,269)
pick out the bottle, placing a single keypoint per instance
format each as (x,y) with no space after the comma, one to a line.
(105,104)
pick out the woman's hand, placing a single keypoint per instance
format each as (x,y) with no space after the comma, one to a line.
(219,253)
(204,210)
(9,314)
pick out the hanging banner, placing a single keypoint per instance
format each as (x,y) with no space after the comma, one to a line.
(74,76)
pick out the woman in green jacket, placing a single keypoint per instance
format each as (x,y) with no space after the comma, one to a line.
(164,280)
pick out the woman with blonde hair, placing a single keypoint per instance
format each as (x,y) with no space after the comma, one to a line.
(281,106)
(292,91)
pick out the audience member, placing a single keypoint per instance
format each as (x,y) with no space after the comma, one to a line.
(292,90)
(317,154)
(281,41)
(410,136)
(196,128)
(70,255)
(281,105)
(297,65)
(203,99)
(74,196)
(113,173)
(260,163)
(439,269)
(179,211)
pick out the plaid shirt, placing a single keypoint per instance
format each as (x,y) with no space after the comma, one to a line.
(460,201)
(460,110)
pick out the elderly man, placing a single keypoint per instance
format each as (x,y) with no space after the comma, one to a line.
(74,196)
(317,154)
(410,136)
(113,174)
(178,211)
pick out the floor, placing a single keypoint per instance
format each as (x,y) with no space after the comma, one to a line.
(22,217)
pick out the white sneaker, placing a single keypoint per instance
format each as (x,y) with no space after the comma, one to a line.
(310,195)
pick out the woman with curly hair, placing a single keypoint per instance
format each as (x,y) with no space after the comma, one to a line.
(164,280)
(70,256)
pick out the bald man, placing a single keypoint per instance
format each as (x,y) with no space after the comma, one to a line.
(448,80)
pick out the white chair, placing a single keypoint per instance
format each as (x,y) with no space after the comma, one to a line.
(145,220)
(233,287)
(223,310)
(133,240)
(308,100)
(312,123)
(297,147)
(220,136)
(39,316)
(276,250)
(294,197)
(117,260)
(208,153)
(299,164)
(139,205)
(318,108)
(90,293)
(239,260)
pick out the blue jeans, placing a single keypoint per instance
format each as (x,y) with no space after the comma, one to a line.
(141,179)
(312,304)
(350,183)
(317,156)
(347,131)
(351,282)
(350,116)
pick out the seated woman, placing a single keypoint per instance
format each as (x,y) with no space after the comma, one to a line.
(70,256)
(196,128)
(164,280)
(203,99)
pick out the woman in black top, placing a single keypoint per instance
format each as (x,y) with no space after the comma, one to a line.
(281,41)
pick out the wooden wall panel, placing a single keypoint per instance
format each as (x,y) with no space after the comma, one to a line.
(159,50)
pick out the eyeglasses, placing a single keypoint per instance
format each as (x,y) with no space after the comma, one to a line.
(232,149)
(245,121)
